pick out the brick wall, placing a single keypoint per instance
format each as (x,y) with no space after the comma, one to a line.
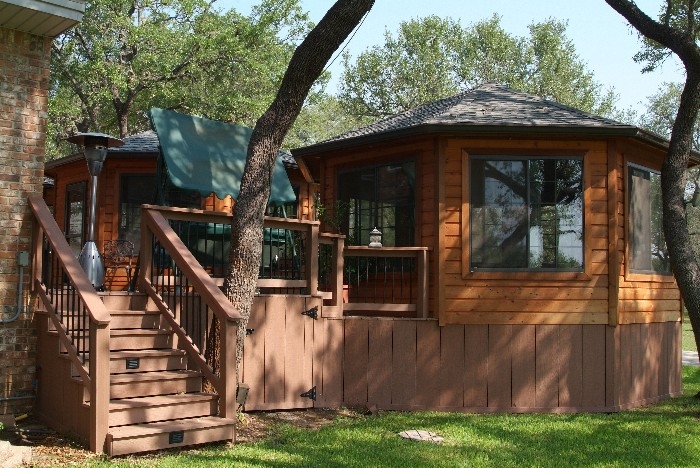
(24,81)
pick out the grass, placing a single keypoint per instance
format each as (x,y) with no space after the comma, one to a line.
(688,340)
(665,434)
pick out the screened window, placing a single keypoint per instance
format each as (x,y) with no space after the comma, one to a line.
(134,190)
(647,247)
(526,213)
(75,215)
(381,197)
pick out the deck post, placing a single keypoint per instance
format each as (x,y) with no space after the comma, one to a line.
(227,373)
(99,385)
(422,296)
(312,259)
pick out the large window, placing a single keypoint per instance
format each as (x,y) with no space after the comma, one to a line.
(134,190)
(647,247)
(381,197)
(526,213)
(75,215)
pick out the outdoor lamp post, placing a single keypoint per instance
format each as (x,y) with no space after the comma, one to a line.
(375,238)
(95,146)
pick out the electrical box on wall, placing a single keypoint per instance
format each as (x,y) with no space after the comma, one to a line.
(23,258)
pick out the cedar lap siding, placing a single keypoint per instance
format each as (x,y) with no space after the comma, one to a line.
(130,171)
(26,30)
(600,337)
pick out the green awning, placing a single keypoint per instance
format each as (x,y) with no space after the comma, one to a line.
(209,156)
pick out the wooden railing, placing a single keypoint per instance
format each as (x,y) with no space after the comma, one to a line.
(190,299)
(80,318)
(298,259)
(386,280)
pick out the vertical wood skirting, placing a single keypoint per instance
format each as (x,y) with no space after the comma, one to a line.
(613,252)
(405,364)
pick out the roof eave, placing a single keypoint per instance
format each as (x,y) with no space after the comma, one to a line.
(476,130)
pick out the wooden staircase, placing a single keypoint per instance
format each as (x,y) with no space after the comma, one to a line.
(156,399)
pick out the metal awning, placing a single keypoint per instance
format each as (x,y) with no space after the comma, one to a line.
(209,156)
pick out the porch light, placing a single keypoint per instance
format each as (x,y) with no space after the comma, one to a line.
(95,146)
(375,238)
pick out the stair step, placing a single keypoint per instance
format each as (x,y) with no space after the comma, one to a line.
(146,360)
(126,319)
(140,339)
(168,434)
(154,383)
(161,408)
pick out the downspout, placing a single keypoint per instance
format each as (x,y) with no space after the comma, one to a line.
(22,260)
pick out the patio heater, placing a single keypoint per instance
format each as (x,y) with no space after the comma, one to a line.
(95,146)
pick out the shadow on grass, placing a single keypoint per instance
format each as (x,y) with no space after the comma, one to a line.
(666,434)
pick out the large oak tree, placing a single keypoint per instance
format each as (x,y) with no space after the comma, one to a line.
(676,31)
(305,67)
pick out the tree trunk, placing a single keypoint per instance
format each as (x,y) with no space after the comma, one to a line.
(674,170)
(305,67)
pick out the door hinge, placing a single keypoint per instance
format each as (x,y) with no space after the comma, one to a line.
(311,394)
(313,312)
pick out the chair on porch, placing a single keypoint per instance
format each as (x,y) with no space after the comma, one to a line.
(118,254)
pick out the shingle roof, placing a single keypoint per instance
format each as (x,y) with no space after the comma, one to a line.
(490,107)
(145,142)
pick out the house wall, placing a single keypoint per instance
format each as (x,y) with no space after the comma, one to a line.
(604,293)
(24,81)
(643,298)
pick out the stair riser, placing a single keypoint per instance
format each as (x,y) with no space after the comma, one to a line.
(149,364)
(160,441)
(140,342)
(157,387)
(145,321)
(162,413)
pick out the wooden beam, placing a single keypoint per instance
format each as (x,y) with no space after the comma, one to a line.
(613,252)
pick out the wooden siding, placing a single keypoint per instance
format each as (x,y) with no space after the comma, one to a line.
(415,364)
(526,297)
(643,298)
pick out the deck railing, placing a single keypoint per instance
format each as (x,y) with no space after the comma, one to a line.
(190,300)
(386,280)
(76,312)
(298,259)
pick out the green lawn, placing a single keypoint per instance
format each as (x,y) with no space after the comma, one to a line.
(666,434)
(688,339)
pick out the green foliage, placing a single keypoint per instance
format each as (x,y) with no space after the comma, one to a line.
(447,57)
(678,14)
(128,56)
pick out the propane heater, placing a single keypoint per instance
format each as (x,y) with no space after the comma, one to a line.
(95,146)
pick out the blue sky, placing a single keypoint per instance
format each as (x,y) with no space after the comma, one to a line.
(603,39)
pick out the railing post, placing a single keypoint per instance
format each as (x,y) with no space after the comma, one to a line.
(422,296)
(145,252)
(338,263)
(227,372)
(312,259)
(99,385)
(38,254)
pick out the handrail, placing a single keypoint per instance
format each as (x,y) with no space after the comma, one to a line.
(154,225)
(96,377)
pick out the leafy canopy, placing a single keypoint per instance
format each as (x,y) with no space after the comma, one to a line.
(127,56)
(431,58)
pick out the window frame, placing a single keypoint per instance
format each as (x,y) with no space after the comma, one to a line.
(630,273)
(374,166)
(584,274)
